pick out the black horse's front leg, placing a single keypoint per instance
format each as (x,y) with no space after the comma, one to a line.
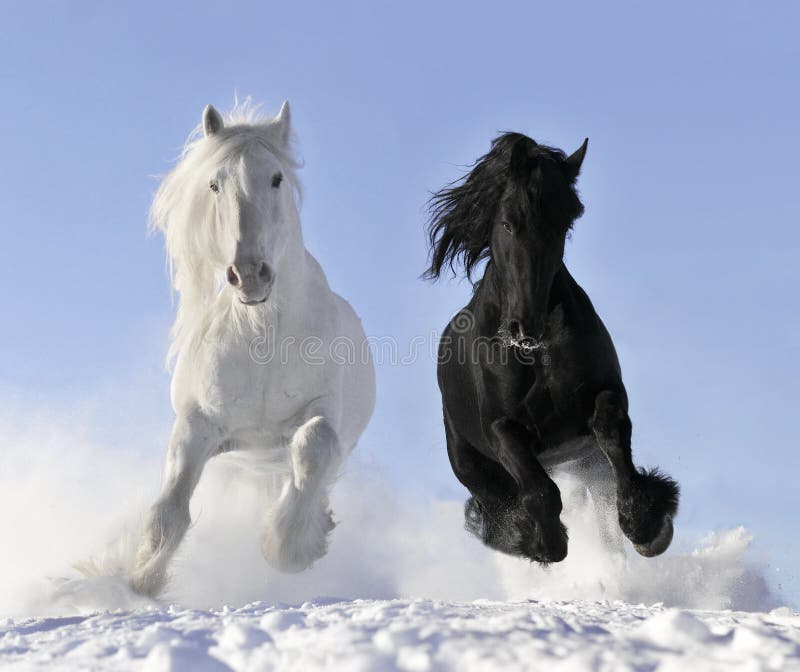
(647,501)
(486,512)
(500,513)
(543,536)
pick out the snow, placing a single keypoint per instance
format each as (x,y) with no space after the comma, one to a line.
(414,635)
(414,591)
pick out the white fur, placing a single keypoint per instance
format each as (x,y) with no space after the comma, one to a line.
(297,420)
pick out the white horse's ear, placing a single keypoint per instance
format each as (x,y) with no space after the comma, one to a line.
(212,121)
(284,121)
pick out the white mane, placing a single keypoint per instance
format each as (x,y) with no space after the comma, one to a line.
(183,209)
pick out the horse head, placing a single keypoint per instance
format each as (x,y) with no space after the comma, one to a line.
(535,213)
(250,200)
(515,208)
(229,217)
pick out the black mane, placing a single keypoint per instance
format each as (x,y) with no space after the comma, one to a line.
(462,214)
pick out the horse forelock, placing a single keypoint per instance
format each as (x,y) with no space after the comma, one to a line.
(462,214)
(183,209)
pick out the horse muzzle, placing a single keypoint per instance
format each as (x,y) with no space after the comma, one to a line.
(252,280)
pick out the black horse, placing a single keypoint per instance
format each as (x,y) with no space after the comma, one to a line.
(527,370)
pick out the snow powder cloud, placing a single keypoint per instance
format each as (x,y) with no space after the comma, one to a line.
(66,497)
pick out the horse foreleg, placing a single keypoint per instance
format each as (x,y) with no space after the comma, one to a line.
(647,501)
(544,537)
(494,494)
(194,439)
(296,528)
(502,511)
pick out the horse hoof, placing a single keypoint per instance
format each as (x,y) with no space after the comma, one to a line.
(660,543)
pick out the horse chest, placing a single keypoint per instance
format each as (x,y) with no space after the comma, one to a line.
(556,380)
(541,390)
(247,392)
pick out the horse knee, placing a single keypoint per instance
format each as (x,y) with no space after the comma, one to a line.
(610,421)
(314,452)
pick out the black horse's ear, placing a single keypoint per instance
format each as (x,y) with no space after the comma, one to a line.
(575,160)
(520,163)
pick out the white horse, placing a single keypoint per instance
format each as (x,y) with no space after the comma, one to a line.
(252,344)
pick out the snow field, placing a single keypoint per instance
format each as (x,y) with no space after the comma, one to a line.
(413,635)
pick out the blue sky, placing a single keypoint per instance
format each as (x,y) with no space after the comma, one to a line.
(688,246)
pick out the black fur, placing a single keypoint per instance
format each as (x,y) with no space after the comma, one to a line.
(510,529)
(642,509)
(463,214)
(528,372)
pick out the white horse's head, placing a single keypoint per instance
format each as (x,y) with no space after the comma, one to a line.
(228,212)
(250,201)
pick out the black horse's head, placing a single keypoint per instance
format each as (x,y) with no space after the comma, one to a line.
(515,207)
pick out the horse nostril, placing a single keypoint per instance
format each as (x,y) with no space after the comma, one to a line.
(233,276)
(515,327)
(265,272)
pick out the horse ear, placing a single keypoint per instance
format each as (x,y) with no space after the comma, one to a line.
(212,121)
(575,160)
(284,121)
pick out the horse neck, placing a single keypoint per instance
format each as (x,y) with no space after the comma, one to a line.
(290,271)
(487,300)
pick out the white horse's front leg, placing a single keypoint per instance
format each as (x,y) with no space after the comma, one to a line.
(296,528)
(193,441)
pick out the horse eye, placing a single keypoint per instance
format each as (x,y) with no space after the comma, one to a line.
(214,187)
(507,226)
(277,178)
